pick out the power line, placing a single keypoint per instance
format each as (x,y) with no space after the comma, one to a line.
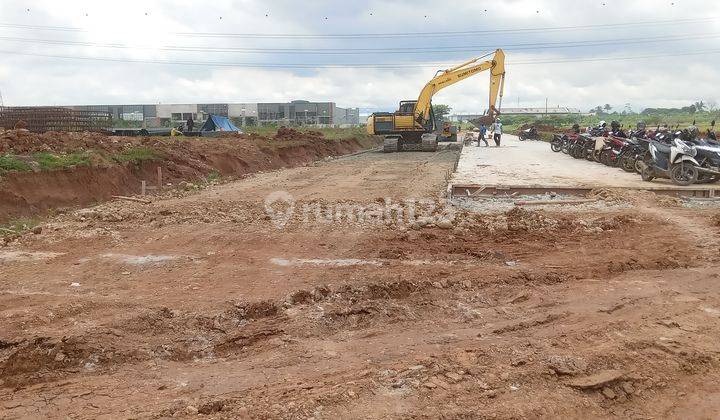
(599,59)
(42,27)
(389,34)
(442,33)
(353,65)
(364,51)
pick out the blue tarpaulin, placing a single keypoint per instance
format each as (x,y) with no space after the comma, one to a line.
(219,123)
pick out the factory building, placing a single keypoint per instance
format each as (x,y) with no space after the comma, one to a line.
(279,113)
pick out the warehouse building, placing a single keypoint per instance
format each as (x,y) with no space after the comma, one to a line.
(280,113)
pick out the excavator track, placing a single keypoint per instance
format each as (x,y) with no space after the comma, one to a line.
(391,145)
(429,143)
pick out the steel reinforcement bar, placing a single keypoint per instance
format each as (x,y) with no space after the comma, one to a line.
(42,119)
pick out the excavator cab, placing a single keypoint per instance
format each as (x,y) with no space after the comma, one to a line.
(406,107)
(402,131)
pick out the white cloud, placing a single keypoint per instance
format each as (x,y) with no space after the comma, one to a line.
(670,81)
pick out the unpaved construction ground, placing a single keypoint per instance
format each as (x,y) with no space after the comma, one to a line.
(42,172)
(287,295)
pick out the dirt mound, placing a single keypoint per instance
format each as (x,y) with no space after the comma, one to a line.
(519,219)
(635,197)
(286,134)
(24,142)
(112,165)
(540,127)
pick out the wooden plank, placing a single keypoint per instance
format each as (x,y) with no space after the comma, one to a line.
(159,179)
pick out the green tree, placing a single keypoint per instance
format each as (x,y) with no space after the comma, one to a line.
(607,107)
(441,111)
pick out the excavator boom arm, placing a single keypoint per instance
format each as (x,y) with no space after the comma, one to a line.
(451,76)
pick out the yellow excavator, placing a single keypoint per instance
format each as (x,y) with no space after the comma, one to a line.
(412,127)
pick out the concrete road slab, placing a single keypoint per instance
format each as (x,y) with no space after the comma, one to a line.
(533,164)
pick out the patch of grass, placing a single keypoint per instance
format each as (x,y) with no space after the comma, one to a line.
(137,155)
(684,119)
(49,161)
(18,226)
(344,133)
(11,163)
(264,130)
(330,133)
(213,176)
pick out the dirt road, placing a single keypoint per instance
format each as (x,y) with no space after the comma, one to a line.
(327,301)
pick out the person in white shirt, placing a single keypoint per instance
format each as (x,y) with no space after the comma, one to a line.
(496,128)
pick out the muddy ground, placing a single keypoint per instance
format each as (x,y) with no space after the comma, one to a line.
(267,298)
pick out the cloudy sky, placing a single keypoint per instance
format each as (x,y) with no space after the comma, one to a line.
(367,54)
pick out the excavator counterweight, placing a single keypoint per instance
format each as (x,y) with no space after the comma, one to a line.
(413,126)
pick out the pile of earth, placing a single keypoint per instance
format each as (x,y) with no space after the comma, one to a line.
(286,134)
(117,165)
(539,127)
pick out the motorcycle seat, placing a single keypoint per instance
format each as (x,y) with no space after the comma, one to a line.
(662,148)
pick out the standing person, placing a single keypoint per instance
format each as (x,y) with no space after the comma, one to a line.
(190,123)
(481,136)
(497,132)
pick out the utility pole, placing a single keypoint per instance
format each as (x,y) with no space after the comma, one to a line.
(546,106)
(2,103)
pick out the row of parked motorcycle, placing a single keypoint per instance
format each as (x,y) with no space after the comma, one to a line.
(685,156)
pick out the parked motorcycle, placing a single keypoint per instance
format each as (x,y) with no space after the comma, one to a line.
(529,134)
(597,131)
(633,154)
(571,139)
(617,130)
(708,158)
(556,145)
(582,147)
(635,148)
(562,142)
(612,150)
(675,162)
